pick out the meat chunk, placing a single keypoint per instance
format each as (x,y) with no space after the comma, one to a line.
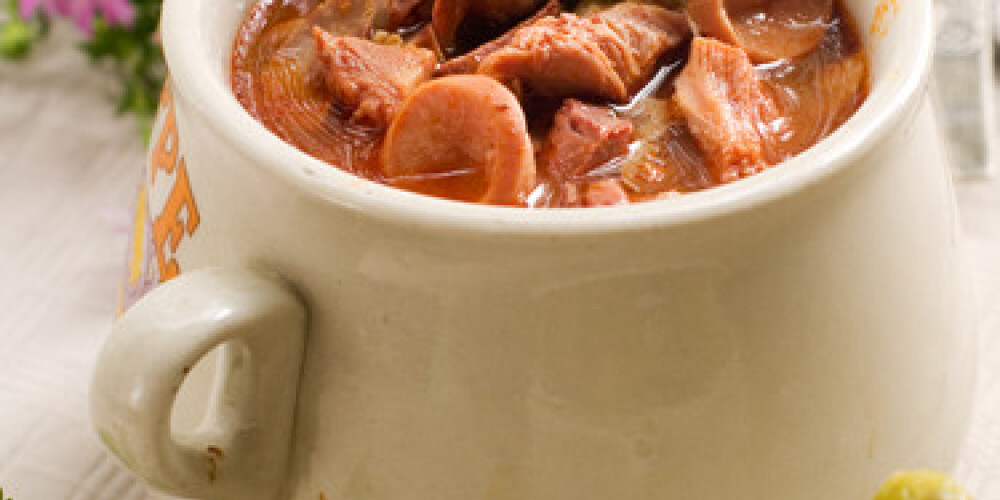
(816,95)
(665,157)
(503,10)
(400,10)
(560,57)
(605,193)
(583,138)
(469,63)
(591,194)
(449,14)
(649,32)
(351,18)
(604,56)
(726,109)
(464,123)
(370,79)
(767,31)
(425,38)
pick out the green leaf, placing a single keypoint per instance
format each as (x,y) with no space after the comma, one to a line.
(129,52)
(133,54)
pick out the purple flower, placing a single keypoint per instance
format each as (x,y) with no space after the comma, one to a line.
(82,12)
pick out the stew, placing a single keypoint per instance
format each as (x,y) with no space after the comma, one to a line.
(550,103)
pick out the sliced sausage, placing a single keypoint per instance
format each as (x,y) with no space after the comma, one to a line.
(726,109)
(371,79)
(464,123)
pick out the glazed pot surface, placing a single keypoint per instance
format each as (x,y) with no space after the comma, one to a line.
(799,334)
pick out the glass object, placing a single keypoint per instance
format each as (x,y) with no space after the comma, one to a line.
(963,82)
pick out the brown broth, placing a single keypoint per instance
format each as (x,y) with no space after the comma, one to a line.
(274,78)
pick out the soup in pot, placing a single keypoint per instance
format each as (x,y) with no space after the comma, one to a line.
(550,103)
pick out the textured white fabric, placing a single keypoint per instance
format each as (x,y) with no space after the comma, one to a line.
(68,173)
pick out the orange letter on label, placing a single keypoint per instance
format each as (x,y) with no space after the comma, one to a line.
(165,95)
(169,226)
(165,152)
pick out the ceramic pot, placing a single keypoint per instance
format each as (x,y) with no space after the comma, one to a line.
(799,334)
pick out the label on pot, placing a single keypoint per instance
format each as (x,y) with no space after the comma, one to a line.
(165,212)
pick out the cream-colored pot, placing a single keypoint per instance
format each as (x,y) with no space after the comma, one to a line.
(797,335)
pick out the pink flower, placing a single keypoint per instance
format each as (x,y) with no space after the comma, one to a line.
(82,12)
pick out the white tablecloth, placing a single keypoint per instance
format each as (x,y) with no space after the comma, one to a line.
(68,173)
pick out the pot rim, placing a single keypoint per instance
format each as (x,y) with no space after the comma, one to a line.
(215,104)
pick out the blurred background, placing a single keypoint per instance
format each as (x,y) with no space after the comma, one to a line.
(79,83)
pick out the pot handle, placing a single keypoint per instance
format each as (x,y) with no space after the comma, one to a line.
(241,448)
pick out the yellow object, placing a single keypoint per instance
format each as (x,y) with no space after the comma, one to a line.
(138,259)
(921,485)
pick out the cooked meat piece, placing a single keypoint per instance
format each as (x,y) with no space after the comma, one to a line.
(665,195)
(446,17)
(370,79)
(449,14)
(502,10)
(464,123)
(665,156)
(599,193)
(350,18)
(767,31)
(604,56)
(604,193)
(560,57)
(426,39)
(400,10)
(583,138)
(816,96)
(649,32)
(469,63)
(297,35)
(726,109)
(843,86)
